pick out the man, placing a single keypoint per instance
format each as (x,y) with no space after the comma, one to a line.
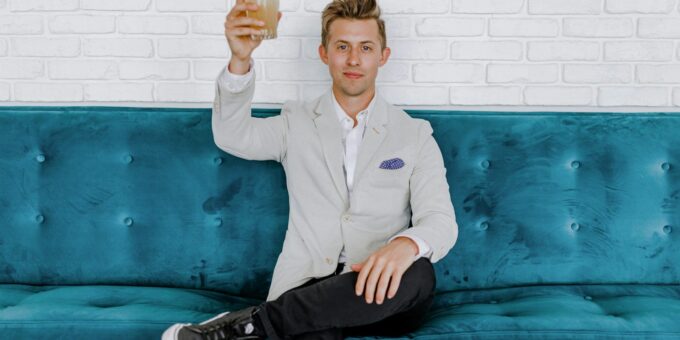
(358,171)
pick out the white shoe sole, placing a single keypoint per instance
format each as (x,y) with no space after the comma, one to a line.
(172,331)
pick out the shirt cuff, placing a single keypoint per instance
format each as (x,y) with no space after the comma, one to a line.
(236,83)
(423,247)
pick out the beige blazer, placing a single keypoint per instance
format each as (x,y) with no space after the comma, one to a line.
(306,139)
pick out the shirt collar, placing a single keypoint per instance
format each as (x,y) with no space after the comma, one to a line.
(343,115)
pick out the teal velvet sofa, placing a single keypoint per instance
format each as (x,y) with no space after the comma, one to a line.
(117,222)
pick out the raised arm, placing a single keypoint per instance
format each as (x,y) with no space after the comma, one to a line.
(234,129)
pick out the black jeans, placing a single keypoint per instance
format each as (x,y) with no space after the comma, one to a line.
(328,308)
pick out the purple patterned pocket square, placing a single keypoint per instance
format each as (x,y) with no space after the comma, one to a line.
(392,164)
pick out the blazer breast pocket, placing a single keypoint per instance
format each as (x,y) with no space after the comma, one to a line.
(391,173)
(388,191)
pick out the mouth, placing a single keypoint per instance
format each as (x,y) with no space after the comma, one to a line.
(353,75)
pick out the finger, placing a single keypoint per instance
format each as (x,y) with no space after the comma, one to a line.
(372,281)
(278,16)
(243,31)
(243,21)
(383,283)
(394,286)
(361,278)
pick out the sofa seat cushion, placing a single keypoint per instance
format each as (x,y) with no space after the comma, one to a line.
(538,312)
(557,312)
(102,312)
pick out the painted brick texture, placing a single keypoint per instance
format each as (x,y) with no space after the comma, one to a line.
(514,53)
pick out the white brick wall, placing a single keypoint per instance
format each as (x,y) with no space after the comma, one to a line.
(517,54)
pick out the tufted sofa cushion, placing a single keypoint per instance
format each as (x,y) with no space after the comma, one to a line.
(537,312)
(105,312)
(123,220)
(558,312)
(561,198)
(134,197)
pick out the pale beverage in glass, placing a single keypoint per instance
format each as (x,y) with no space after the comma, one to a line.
(267,12)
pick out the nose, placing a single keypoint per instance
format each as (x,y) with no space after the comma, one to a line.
(353,58)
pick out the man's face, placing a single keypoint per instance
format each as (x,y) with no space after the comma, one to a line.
(353,55)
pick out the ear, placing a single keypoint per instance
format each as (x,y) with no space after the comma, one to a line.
(323,54)
(385,55)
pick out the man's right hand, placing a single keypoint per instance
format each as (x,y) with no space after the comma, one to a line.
(238,28)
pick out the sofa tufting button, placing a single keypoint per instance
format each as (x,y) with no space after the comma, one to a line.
(40,218)
(575,226)
(575,164)
(589,298)
(665,166)
(485,164)
(484,226)
(128,159)
(667,229)
(218,221)
(40,158)
(128,221)
(217,160)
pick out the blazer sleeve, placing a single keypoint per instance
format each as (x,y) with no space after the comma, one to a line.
(238,133)
(433,218)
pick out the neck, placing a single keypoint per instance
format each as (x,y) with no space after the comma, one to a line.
(354,104)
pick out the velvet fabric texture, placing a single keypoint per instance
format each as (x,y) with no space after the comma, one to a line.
(117,222)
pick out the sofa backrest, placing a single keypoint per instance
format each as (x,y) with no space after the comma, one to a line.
(561,198)
(141,196)
(134,197)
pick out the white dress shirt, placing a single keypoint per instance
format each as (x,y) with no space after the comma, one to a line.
(351,140)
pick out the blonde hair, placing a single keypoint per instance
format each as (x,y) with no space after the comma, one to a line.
(351,9)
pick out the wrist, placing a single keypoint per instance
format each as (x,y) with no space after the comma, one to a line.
(410,242)
(239,66)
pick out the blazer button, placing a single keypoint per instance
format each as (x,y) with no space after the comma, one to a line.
(346,218)
(329,261)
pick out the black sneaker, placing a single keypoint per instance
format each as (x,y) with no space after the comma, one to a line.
(238,325)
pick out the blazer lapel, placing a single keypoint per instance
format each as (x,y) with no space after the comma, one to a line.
(373,136)
(330,135)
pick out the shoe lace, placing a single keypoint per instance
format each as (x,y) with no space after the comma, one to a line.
(212,332)
(217,331)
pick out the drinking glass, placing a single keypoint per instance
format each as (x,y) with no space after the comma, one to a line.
(267,12)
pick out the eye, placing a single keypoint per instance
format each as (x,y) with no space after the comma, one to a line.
(366,48)
(342,47)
